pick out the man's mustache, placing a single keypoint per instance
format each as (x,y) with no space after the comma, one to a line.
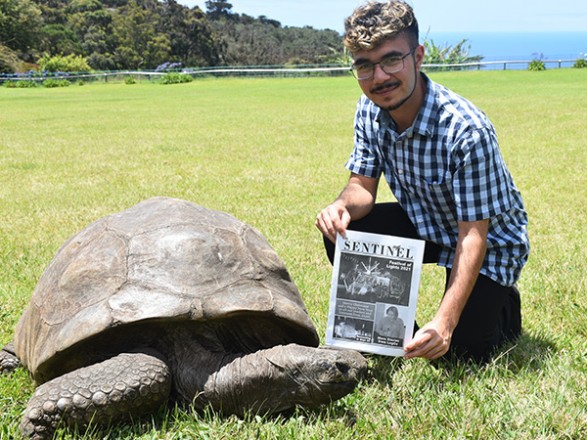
(385,86)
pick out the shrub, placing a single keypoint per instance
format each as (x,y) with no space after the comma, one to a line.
(51,83)
(457,54)
(129,80)
(537,64)
(60,63)
(9,61)
(581,63)
(24,84)
(176,78)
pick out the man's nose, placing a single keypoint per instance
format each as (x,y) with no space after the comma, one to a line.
(379,74)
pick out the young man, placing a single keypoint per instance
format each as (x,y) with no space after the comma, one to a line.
(440,156)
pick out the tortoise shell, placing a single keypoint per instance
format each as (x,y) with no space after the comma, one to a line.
(164,260)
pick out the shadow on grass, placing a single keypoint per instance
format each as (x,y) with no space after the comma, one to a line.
(382,368)
(528,352)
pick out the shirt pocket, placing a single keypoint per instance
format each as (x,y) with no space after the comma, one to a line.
(433,192)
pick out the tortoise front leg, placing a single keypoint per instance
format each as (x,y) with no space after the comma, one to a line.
(278,378)
(8,359)
(127,385)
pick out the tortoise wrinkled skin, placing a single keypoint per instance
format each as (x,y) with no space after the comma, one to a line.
(169,301)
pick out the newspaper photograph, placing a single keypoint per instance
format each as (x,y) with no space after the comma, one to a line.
(374,292)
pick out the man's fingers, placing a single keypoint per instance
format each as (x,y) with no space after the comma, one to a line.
(325,226)
(332,220)
(426,344)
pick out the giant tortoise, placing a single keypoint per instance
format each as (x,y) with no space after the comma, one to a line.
(170,301)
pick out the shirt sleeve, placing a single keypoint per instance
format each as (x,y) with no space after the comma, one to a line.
(364,159)
(481,182)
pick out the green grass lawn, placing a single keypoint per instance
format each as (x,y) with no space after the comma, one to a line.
(271,152)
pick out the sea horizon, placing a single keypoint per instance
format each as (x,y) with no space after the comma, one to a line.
(518,46)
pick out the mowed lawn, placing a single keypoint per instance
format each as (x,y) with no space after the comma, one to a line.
(271,152)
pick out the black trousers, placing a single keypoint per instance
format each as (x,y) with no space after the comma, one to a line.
(492,314)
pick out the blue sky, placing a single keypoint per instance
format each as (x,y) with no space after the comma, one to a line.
(433,15)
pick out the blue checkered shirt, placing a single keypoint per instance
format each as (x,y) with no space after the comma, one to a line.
(446,168)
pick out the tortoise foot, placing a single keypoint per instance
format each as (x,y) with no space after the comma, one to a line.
(279,378)
(130,384)
(8,359)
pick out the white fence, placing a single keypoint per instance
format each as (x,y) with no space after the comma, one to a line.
(278,71)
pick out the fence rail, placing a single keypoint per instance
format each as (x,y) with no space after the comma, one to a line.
(503,65)
(272,71)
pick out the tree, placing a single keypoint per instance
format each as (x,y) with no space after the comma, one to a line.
(130,34)
(218,8)
(53,11)
(9,61)
(20,21)
(190,35)
(92,23)
(58,39)
(139,44)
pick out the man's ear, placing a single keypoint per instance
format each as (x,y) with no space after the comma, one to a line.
(419,55)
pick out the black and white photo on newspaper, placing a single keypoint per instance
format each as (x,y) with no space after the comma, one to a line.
(374,292)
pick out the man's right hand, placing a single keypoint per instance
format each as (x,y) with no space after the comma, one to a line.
(354,202)
(332,220)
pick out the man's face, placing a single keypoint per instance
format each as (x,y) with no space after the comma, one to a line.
(391,90)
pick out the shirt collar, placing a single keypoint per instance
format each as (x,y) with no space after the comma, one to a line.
(425,122)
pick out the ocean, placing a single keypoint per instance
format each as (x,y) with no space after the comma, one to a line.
(518,46)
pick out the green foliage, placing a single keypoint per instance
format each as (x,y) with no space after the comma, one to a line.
(130,80)
(176,78)
(447,54)
(60,63)
(581,63)
(20,22)
(22,84)
(58,39)
(218,8)
(133,34)
(536,65)
(52,83)
(9,61)
(246,41)
(139,44)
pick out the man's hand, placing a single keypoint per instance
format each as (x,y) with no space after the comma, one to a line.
(431,341)
(354,202)
(332,220)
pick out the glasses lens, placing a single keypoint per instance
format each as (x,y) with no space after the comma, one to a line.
(392,65)
(363,71)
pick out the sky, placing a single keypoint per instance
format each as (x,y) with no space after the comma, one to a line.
(434,16)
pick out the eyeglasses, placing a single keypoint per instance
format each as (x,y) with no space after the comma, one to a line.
(389,64)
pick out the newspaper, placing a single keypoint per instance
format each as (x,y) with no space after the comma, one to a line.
(374,292)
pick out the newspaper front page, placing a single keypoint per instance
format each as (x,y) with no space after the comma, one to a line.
(374,292)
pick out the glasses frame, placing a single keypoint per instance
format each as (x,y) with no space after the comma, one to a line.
(398,68)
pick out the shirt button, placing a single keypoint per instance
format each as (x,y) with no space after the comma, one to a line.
(400,171)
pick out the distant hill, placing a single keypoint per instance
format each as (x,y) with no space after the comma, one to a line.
(144,34)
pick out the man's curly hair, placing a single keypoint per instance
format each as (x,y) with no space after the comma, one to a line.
(374,22)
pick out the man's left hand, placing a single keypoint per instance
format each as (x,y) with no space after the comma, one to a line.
(430,342)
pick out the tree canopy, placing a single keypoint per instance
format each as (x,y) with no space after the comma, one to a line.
(143,34)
